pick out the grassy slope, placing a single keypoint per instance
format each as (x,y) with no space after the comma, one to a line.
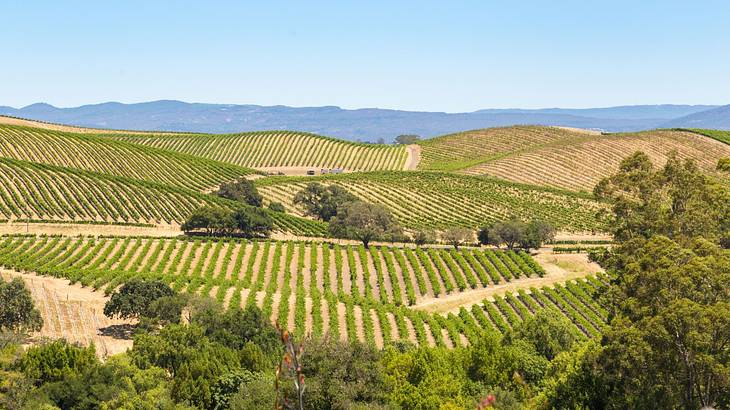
(441,200)
(96,153)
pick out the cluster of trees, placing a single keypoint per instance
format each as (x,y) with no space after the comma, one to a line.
(348,217)
(245,221)
(530,235)
(248,220)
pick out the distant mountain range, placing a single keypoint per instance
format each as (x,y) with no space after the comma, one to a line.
(367,124)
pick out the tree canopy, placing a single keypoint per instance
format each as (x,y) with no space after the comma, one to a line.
(17,311)
(135,298)
(322,202)
(242,190)
(365,222)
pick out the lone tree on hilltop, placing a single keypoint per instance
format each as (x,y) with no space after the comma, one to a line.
(406,139)
(322,202)
(364,222)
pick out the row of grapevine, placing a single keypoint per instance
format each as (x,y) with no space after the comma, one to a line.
(439,200)
(303,285)
(44,192)
(272,149)
(104,155)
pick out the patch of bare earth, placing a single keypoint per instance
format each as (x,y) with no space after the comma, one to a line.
(558,268)
(70,229)
(75,313)
(414,156)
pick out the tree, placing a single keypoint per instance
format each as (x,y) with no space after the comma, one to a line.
(57,360)
(488,235)
(537,232)
(548,331)
(276,207)
(457,236)
(677,201)
(322,202)
(213,220)
(669,341)
(364,222)
(253,222)
(17,311)
(406,139)
(423,236)
(135,298)
(242,190)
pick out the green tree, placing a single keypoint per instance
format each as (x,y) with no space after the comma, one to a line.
(57,360)
(364,222)
(548,331)
(723,164)
(322,202)
(677,201)
(253,222)
(212,220)
(457,236)
(537,232)
(17,311)
(423,236)
(136,299)
(242,190)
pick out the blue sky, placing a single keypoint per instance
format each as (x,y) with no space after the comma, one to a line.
(421,55)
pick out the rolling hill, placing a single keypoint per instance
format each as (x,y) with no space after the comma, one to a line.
(442,200)
(561,158)
(276,150)
(93,152)
(51,193)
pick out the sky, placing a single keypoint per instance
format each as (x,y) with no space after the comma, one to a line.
(451,56)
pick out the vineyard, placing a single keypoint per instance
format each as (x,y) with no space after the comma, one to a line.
(465,149)
(722,136)
(441,200)
(44,192)
(316,288)
(280,149)
(95,153)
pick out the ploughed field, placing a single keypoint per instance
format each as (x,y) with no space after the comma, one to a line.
(316,288)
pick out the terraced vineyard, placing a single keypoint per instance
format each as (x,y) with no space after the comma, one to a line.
(44,192)
(280,149)
(96,153)
(316,288)
(441,200)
